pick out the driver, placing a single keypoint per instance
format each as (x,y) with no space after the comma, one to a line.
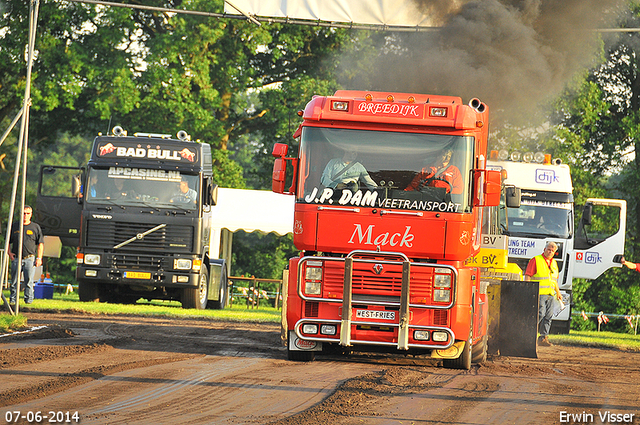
(439,174)
(184,193)
(345,172)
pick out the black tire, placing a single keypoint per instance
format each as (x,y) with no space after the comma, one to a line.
(222,296)
(462,362)
(128,299)
(301,356)
(479,351)
(89,291)
(197,297)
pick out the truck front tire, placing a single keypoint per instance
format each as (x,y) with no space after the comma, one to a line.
(462,362)
(197,297)
(88,291)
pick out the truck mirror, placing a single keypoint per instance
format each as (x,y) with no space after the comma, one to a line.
(488,188)
(512,196)
(76,185)
(280,150)
(279,175)
(492,187)
(586,214)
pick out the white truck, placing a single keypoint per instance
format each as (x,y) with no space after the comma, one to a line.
(547,213)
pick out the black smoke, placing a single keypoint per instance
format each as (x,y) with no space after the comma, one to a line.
(512,54)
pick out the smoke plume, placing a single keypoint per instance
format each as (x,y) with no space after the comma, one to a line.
(512,54)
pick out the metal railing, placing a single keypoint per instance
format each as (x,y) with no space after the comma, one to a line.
(253,293)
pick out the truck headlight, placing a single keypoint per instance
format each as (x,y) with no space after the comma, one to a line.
(313,273)
(182,264)
(312,288)
(92,259)
(309,328)
(421,335)
(440,336)
(442,280)
(328,329)
(441,296)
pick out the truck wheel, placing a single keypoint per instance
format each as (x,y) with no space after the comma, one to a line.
(222,296)
(197,297)
(462,362)
(89,291)
(479,351)
(301,356)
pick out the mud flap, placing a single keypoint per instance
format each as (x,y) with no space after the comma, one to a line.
(513,318)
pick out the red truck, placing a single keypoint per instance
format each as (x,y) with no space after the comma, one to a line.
(390,190)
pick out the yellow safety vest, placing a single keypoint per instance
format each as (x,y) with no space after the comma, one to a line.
(545,275)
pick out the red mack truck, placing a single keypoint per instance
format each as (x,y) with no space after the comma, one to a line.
(390,190)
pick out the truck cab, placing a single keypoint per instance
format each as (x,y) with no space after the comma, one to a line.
(389,190)
(547,212)
(142,209)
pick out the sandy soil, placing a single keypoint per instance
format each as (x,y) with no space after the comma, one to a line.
(133,370)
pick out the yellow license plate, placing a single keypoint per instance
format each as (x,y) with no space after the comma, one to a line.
(137,275)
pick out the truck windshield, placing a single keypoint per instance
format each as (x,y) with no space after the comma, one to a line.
(382,169)
(142,186)
(540,219)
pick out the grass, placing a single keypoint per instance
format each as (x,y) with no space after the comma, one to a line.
(9,323)
(599,339)
(157,308)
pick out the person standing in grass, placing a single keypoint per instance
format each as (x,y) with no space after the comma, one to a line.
(543,269)
(32,250)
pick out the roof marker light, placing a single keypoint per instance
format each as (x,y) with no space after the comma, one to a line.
(411,99)
(438,112)
(390,98)
(340,105)
(503,155)
(368,97)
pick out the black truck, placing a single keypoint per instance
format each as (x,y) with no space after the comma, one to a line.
(140,215)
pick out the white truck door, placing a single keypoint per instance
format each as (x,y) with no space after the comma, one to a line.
(595,250)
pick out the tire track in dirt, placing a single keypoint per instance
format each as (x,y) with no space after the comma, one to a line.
(12,359)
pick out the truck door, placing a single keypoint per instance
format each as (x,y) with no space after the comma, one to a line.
(597,247)
(59,202)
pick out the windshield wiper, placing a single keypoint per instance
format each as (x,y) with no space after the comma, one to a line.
(149,205)
(106,201)
(140,236)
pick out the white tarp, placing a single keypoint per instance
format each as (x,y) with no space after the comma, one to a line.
(374,12)
(253,210)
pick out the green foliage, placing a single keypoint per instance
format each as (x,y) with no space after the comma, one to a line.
(262,256)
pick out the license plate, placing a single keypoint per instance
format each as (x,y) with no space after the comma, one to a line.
(376,314)
(137,275)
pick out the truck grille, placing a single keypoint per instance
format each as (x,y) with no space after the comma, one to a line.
(107,234)
(138,262)
(387,284)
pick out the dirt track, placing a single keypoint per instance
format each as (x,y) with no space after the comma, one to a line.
(132,370)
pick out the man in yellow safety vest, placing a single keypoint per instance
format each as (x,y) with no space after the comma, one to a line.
(543,268)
